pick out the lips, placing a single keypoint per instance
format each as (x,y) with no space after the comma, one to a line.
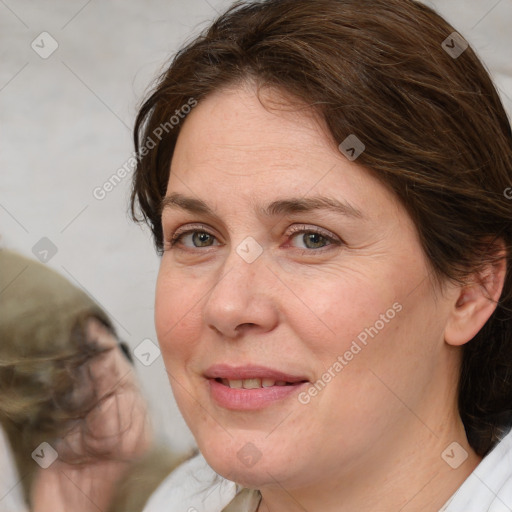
(249,388)
(253,383)
(252,373)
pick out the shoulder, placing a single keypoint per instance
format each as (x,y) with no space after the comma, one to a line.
(489,487)
(192,487)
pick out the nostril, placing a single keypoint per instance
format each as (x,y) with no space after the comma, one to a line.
(241,326)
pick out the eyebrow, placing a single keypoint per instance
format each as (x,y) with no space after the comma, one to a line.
(279,207)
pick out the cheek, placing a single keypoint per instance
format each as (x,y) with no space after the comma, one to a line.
(330,310)
(360,325)
(177,318)
(388,341)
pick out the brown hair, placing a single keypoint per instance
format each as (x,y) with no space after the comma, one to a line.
(42,397)
(43,393)
(433,125)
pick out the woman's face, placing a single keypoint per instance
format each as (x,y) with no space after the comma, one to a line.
(277,277)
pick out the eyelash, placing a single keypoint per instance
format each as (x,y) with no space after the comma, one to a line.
(303,229)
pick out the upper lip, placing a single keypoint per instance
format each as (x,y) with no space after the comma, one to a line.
(225,371)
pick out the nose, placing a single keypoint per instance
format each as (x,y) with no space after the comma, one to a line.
(242,299)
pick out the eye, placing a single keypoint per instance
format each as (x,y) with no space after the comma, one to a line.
(198,237)
(312,238)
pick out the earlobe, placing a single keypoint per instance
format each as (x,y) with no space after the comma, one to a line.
(475,303)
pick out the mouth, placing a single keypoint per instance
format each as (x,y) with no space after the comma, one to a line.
(250,387)
(255,383)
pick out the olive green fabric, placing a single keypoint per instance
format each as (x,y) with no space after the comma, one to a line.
(144,477)
(42,327)
(42,324)
(38,308)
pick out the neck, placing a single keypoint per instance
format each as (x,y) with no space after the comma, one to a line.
(406,473)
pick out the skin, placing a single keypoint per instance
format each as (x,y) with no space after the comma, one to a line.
(381,423)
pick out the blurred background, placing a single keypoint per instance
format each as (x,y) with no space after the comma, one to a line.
(72,75)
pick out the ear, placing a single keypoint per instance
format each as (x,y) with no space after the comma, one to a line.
(475,302)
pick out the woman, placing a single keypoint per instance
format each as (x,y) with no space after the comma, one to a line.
(325,184)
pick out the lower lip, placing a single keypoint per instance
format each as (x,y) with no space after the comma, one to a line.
(240,399)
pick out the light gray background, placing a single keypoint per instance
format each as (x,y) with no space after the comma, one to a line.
(65,128)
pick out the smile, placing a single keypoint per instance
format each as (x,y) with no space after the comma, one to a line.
(253,383)
(250,387)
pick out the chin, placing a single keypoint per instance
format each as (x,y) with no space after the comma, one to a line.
(247,468)
(252,478)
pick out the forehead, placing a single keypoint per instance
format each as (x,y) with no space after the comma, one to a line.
(230,146)
(232,124)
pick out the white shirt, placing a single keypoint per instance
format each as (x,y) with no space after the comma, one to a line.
(195,487)
(489,487)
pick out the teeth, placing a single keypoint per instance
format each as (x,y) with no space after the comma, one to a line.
(252,383)
(233,383)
